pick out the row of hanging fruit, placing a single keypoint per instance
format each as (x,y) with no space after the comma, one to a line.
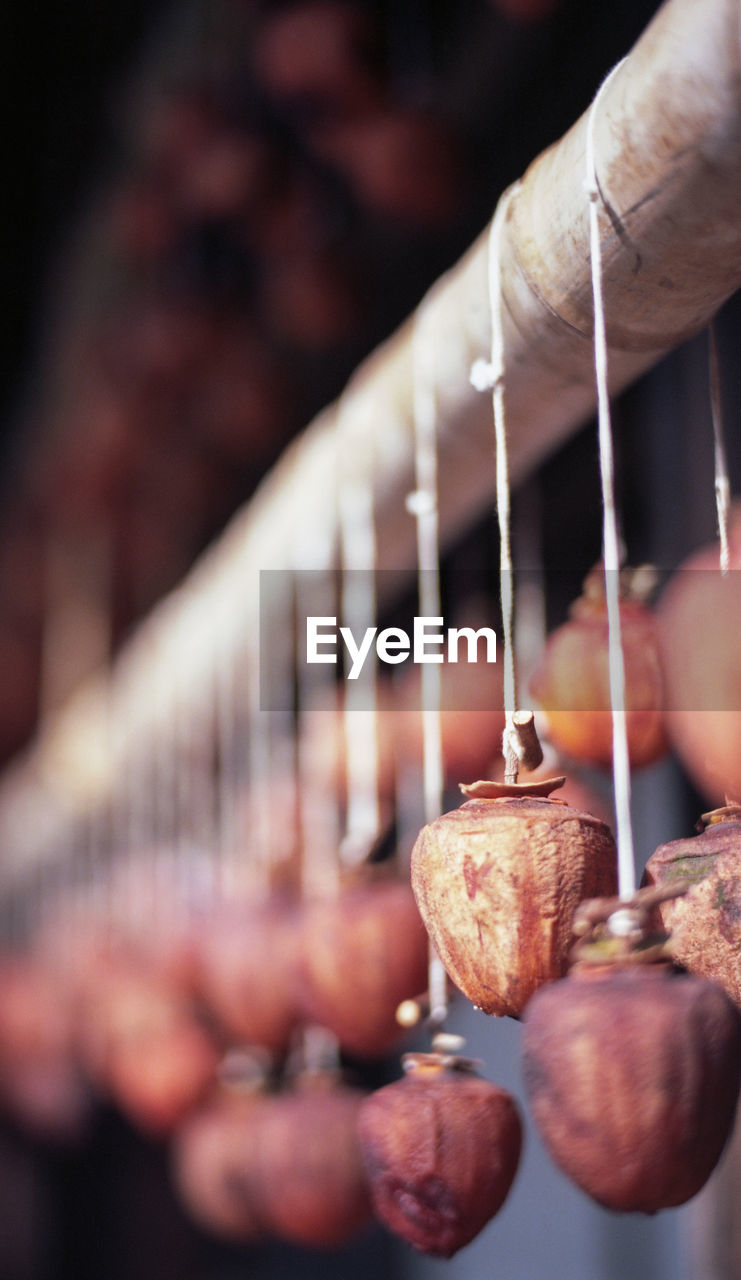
(177,1017)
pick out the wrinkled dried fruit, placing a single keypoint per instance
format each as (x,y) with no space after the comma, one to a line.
(497,883)
(213,1156)
(313,1188)
(286,1165)
(572,682)
(633,1075)
(363,952)
(441,1147)
(705,924)
(246,971)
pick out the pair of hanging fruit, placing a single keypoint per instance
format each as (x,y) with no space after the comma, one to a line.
(285,1164)
(632,1068)
(344,961)
(498,881)
(441,1148)
(572,682)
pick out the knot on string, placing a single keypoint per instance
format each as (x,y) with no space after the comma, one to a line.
(483,377)
(420,502)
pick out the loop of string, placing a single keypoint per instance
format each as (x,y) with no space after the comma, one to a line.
(610,538)
(422,504)
(722,480)
(506,585)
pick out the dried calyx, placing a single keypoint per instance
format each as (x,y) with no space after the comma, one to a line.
(617,929)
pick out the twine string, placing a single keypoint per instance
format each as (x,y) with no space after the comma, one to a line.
(506,585)
(610,537)
(358,607)
(422,504)
(722,479)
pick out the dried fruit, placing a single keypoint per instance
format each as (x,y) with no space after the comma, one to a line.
(140,1040)
(41,1085)
(497,883)
(286,1165)
(441,1147)
(705,924)
(213,1156)
(247,961)
(699,617)
(572,681)
(633,1072)
(313,1188)
(363,952)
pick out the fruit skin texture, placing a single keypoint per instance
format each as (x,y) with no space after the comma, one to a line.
(572,685)
(705,924)
(441,1150)
(699,616)
(633,1075)
(363,952)
(497,883)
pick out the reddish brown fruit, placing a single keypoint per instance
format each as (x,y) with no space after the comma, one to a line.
(363,952)
(633,1074)
(441,1147)
(213,1158)
(40,1082)
(140,1040)
(318,56)
(699,618)
(705,923)
(246,966)
(572,682)
(497,882)
(401,163)
(287,1165)
(313,1189)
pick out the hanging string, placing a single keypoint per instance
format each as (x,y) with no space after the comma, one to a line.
(610,538)
(506,585)
(422,504)
(315,594)
(358,609)
(722,480)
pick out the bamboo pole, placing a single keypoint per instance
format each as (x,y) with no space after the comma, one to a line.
(668,148)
